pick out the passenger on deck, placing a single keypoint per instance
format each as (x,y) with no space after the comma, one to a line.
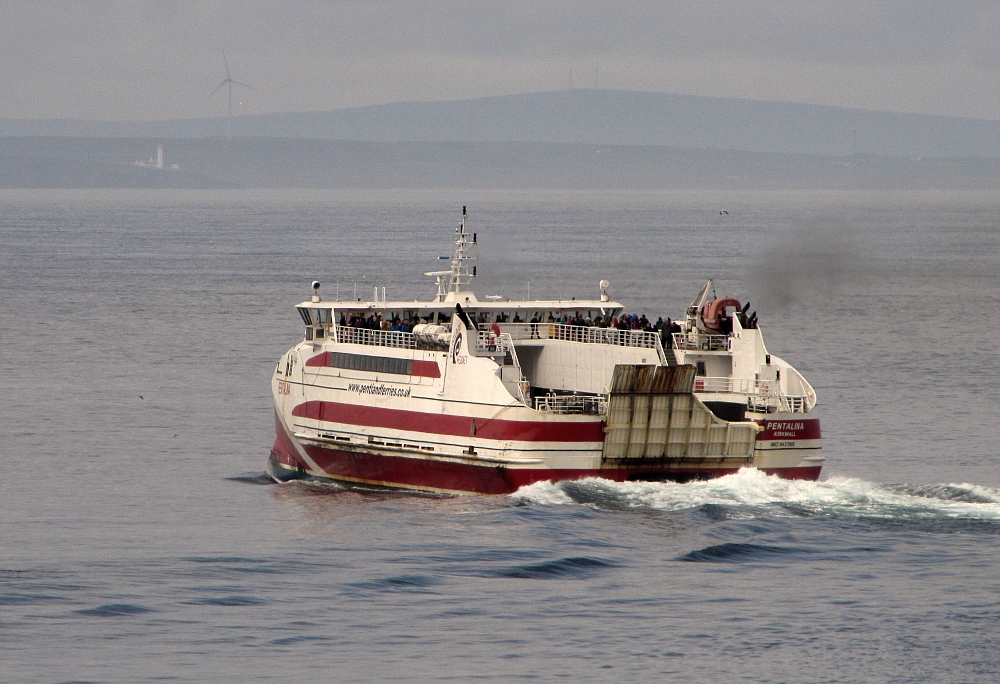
(534,326)
(666,339)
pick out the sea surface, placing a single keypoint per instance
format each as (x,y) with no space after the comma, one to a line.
(139,541)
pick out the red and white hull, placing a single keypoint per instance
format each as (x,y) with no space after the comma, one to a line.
(453,475)
(485,397)
(457,447)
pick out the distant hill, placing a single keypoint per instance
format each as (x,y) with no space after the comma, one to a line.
(300,163)
(599,117)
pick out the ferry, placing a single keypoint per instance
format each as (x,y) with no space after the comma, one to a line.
(461,395)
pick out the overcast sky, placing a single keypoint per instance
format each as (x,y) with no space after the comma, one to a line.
(161,59)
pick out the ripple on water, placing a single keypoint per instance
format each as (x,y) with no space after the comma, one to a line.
(563,568)
(229,601)
(739,553)
(115,610)
(420,584)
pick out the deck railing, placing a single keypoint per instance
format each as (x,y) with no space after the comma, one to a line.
(761,403)
(376,338)
(580,333)
(594,406)
(764,396)
(488,341)
(730,385)
(701,342)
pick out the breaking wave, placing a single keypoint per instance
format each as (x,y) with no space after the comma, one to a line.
(750,490)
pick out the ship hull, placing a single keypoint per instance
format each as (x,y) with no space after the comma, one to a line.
(374,468)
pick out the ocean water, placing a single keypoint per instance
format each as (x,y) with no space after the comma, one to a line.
(139,541)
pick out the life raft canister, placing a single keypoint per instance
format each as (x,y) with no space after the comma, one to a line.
(714,311)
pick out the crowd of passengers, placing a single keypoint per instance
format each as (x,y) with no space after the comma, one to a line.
(665,327)
(376,321)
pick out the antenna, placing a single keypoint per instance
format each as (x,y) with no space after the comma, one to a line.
(229,81)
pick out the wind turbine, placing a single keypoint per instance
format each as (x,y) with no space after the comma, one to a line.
(229,81)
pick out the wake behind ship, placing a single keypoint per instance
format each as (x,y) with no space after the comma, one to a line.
(458,395)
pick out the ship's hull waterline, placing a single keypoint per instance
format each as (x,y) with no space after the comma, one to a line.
(371,468)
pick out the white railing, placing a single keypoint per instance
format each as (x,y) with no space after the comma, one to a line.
(730,385)
(763,396)
(580,333)
(701,342)
(595,406)
(737,386)
(376,338)
(760,403)
(488,341)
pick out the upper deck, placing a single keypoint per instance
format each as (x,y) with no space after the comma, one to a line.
(557,347)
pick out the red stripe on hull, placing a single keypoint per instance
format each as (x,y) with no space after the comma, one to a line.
(321,360)
(426,369)
(398,471)
(459,426)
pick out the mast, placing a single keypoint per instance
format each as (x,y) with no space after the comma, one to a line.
(452,283)
(461,276)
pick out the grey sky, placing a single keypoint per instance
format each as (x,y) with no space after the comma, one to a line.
(157,60)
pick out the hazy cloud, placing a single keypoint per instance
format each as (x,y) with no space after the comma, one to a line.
(160,59)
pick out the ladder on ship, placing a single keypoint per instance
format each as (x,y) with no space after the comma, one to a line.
(667,356)
(510,370)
